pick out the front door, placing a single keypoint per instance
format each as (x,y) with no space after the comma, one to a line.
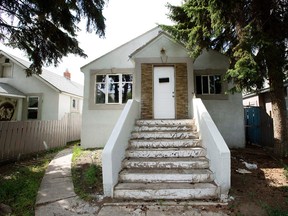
(164,87)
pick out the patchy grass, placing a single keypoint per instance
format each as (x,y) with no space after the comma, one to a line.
(20,182)
(87,173)
(286,170)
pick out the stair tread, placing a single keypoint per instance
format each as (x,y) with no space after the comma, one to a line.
(163,185)
(164,140)
(148,171)
(165,122)
(187,159)
(166,149)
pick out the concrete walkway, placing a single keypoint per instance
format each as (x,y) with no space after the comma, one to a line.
(56,196)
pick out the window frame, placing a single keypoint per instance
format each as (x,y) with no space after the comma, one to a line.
(208,73)
(209,89)
(106,72)
(33,108)
(77,104)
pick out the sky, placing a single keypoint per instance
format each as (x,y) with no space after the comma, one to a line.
(125,20)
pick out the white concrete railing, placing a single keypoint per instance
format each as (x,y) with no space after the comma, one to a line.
(114,150)
(217,149)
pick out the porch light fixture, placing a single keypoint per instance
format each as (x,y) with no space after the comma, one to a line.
(163,55)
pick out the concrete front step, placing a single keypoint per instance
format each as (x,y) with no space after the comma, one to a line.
(166,152)
(165,143)
(166,175)
(165,135)
(166,122)
(178,191)
(167,163)
(164,128)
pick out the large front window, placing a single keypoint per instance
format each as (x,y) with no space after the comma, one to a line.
(113,88)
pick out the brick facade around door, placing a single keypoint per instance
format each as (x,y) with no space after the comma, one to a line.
(181,91)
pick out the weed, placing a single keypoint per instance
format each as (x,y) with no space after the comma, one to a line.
(87,177)
(274,211)
(77,151)
(20,183)
(286,170)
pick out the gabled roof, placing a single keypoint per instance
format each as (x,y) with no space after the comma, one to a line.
(54,80)
(161,34)
(133,44)
(7,90)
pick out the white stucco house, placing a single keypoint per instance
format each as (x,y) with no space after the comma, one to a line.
(48,96)
(153,78)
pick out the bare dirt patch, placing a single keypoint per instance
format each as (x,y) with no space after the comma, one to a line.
(262,192)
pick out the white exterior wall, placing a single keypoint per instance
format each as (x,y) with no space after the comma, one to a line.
(32,85)
(228,115)
(64,105)
(97,125)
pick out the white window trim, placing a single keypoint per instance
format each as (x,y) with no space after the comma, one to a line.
(33,108)
(92,88)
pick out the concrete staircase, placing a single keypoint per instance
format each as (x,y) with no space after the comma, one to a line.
(165,160)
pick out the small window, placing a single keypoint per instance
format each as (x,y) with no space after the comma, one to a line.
(73,103)
(113,88)
(208,84)
(33,107)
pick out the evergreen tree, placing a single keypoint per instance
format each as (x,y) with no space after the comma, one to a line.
(253,33)
(46,30)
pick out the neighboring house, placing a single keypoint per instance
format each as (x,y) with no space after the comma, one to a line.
(136,69)
(262,98)
(39,97)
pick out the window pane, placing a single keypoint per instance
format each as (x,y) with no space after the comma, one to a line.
(32,113)
(218,87)
(126,92)
(100,93)
(113,78)
(33,102)
(113,93)
(205,84)
(198,85)
(100,78)
(212,84)
(127,78)
(74,103)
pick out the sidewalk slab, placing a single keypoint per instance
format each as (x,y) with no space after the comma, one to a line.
(67,207)
(57,182)
(143,210)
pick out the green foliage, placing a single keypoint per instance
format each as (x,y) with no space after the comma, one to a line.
(20,184)
(47,30)
(87,177)
(77,152)
(275,211)
(254,34)
(90,174)
(286,171)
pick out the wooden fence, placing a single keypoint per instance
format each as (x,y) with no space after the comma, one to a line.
(26,137)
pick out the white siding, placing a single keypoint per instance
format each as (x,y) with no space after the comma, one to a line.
(228,115)
(32,85)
